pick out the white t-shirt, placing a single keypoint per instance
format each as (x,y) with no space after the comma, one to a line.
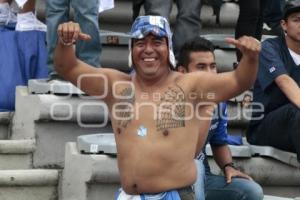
(295,56)
(105,5)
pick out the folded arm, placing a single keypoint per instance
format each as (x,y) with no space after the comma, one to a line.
(290,88)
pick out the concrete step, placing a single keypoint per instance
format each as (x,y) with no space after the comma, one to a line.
(54,120)
(16,154)
(99,177)
(5,118)
(105,143)
(34,184)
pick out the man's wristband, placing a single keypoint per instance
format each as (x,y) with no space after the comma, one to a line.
(65,43)
(231,164)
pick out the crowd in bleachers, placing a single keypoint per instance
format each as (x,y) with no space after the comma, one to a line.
(27,47)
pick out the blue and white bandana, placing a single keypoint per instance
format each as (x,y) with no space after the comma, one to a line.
(156,25)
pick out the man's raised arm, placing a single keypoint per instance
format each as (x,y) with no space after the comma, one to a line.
(91,80)
(226,85)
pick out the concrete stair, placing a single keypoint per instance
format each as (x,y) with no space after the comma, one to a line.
(33,184)
(5,118)
(16,154)
(18,179)
(52,120)
(99,177)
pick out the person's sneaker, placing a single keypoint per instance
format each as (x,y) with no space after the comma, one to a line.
(29,22)
(6,15)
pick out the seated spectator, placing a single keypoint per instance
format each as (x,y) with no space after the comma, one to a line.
(198,55)
(277,88)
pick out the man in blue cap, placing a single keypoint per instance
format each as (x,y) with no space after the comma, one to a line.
(153,111)
(277,88)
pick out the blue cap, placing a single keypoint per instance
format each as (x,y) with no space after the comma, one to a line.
(156,25)
(290,8)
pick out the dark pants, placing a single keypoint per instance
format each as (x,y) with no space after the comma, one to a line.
(280,129)
(273,12)
(250,20)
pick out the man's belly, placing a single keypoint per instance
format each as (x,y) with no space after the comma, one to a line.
(152,174)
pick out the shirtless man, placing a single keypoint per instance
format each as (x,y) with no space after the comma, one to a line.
(153,111)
